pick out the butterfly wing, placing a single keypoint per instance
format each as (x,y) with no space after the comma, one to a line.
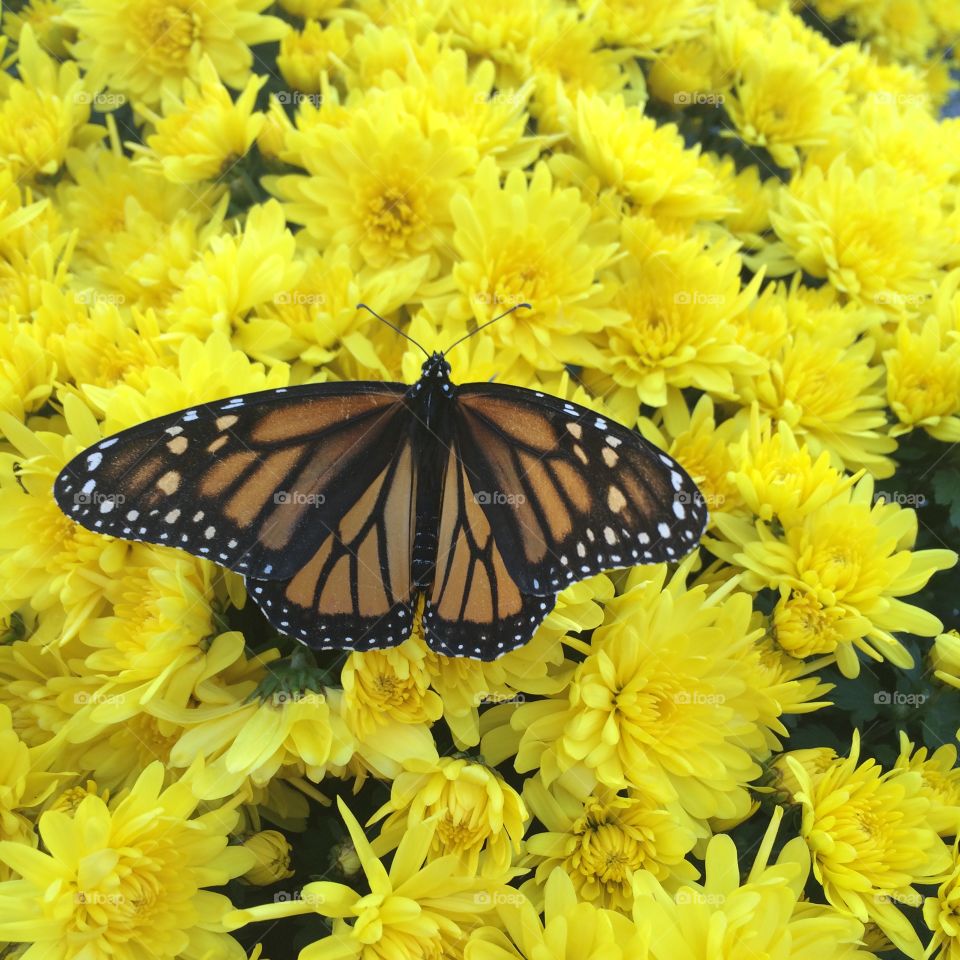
(253,483)
(568,493)
(356,590)
(475,607)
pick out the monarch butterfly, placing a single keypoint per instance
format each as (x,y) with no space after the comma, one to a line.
(342,503)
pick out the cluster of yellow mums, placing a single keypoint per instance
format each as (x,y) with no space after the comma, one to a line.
(739,221)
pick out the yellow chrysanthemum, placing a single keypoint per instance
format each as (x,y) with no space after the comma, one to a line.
(604,840)
(44,17)
(853,553)
(849,227)
(765,914)
(43,113)
(646,162)
(571,929)
(923,381)
(147,48)
(644,705)
(413,912)
(533,242)
(380,686)
(501,29)
(306,54)
(480,818)
(203,135)
(271,851)
(870,839)
(831,396)
(647,27)
(27,371)
(945,658)
(128,876)
(941,912)
(681,301)
(803,626)
(366,185)
(941,781)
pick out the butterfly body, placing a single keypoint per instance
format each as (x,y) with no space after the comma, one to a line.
(345,504)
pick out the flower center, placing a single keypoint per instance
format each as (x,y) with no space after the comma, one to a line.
(391,216)
(168,31)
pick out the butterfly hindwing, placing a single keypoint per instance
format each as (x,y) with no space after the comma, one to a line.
(569,493)
(475,607)
(248,482)
(355,592)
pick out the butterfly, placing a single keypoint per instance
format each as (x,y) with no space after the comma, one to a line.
(345,503)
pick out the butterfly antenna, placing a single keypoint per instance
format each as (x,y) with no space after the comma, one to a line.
(363,306)
(467,336)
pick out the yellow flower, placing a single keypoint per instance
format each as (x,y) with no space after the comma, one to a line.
(852,553)
(205,134)
(27,371)
(136,231)
(785,98)
(804,627)
(376,184)
(646,706)
(814,760)
(681,301)
(305,55)
(479,818)
(43,113)
(604,840)
(571,929)
(57,566)
(127,874)
(533,242)
(381,686)
(413,911)
(940,913)
(147,48)
(765,914)
(647,27)
(831,396)
(45,19)
(500,29)
(646,162)
(272,853)
(941,781)
(778,478)
(850,228)
(945,657)
(923,381)
(870,838)
(237,273)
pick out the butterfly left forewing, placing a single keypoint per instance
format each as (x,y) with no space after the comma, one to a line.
(569,493)
(475,607)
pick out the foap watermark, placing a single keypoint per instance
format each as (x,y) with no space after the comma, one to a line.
(712,501)
(497,498)
(686,895)
(498,299)
(101,101)
(298,498)
(99,497)
(900,497)
(93,298)
(296,97)
(698,297)
(512,98)
(298,298)
(890,298)
(900,98)
(699,697)
(85,697)
(488,697)
(697,98)
(485,898)
(281,697)
(98,898)
(308,897)
(897,698)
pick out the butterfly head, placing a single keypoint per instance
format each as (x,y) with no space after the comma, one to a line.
(435,368)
